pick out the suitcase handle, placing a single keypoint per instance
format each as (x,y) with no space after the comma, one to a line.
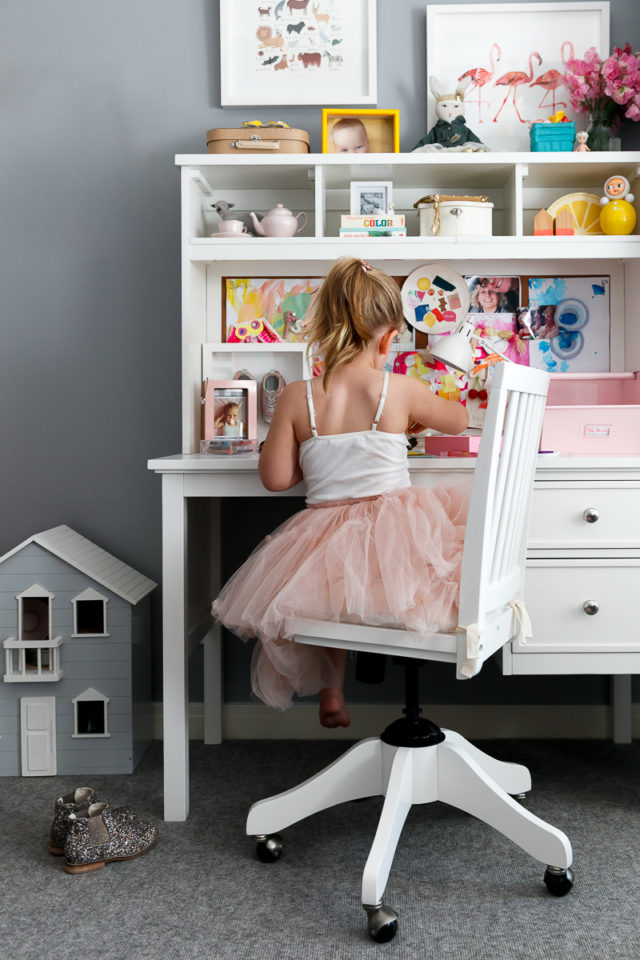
(256,144)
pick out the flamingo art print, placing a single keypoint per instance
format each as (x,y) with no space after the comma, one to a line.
(513,80)
(552,79)
(479,77)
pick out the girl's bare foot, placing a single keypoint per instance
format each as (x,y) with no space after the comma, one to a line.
(333,709)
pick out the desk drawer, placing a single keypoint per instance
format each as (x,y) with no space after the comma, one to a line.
(559,594)
(586,515)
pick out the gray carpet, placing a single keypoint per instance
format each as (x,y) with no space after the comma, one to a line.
(462,891)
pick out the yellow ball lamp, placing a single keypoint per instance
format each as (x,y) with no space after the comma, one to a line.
(617,216)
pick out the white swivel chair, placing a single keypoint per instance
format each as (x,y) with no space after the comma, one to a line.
(414,761)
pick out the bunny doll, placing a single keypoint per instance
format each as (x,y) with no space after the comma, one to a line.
(450,131)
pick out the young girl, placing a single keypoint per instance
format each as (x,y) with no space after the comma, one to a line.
(369,547)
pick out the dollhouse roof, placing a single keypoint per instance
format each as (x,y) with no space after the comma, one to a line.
(91,560)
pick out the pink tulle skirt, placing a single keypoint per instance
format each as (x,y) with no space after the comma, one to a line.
(391,560)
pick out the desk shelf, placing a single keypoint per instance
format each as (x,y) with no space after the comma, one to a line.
(414,249)
(518,184)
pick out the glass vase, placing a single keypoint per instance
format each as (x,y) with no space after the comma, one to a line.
(599,132)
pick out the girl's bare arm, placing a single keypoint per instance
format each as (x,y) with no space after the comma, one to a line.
(428,410)
(278,467)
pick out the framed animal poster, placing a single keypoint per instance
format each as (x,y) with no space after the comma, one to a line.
(515,55)
(266,309)
(304,52)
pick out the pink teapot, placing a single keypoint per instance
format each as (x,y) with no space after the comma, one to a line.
(279,222)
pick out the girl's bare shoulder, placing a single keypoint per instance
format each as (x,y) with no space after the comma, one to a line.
(293,392)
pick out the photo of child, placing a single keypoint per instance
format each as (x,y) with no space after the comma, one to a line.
(494,294)
(360,131)
(229,415)
(537,322)
(349,135)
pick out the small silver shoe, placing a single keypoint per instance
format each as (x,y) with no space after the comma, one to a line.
(75,802)
(78,802)
(100,837)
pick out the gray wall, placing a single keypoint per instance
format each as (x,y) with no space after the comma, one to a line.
(95,100)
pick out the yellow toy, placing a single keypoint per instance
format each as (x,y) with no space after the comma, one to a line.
(617,216)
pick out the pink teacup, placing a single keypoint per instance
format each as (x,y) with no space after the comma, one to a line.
(234,227)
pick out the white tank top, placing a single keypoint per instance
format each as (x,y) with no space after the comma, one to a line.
(342,466)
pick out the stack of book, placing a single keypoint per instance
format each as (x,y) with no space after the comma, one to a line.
(380,225)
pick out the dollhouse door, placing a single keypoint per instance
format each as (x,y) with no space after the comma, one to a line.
(38,736)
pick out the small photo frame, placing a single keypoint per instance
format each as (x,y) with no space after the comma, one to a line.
(360,131)
(370,197)
(230,410)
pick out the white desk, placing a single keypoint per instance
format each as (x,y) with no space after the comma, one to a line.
(599,645)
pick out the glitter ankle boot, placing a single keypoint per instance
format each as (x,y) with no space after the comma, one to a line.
(100,837)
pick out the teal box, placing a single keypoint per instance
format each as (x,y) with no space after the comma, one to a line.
(552,136)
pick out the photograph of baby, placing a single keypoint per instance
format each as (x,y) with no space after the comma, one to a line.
(349,135)
(230,413)
(355,131)
(494,294)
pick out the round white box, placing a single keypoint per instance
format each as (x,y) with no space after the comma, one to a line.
(458,218)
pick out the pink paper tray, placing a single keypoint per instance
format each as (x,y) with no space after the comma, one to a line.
(595,413)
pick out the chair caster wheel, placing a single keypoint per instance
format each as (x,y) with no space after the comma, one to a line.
(269,849)
(382,923)
(558,881)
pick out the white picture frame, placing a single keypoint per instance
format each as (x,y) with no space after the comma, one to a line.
(269,57)
(364,196)
(518,30)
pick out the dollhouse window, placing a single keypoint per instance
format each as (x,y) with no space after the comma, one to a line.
(89,614)
(90,714)
(34,653)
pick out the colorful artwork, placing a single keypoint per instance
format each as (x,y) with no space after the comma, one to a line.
(434,298)
(569,317)
(264,309)
(443,381)
(503,327)
(515,56)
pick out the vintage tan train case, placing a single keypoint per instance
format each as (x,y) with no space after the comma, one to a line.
(257,140)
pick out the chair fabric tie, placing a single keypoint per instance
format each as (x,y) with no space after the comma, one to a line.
(473,661)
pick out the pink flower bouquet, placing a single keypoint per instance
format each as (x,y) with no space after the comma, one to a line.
(606,89)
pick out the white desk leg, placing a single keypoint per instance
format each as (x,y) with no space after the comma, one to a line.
(174,648)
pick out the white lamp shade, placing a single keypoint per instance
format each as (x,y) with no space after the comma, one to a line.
(455,351)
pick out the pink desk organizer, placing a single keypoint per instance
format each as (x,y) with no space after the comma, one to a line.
(593,413)
(449,446)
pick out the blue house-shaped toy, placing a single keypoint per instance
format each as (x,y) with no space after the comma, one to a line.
(75,692)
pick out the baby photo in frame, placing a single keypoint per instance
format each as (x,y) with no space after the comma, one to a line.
(360,131)
(230,410)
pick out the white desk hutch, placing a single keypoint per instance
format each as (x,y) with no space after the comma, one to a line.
(574,562)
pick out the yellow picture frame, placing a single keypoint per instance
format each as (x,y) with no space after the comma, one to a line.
(381,130)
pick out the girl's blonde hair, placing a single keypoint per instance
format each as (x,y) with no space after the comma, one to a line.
(356,303)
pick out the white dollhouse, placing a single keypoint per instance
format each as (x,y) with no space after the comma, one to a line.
(74,627)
